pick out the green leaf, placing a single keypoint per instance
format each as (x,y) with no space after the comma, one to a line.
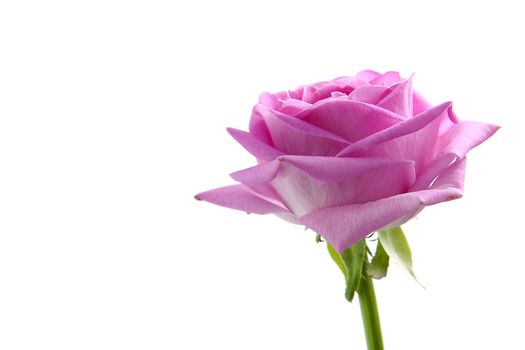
(396,246)
(379,266)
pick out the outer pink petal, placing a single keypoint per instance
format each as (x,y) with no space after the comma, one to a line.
(407,127)
(454,145)
(329,169)
(252,144)
(294,136)
(258,127)
(452,177)
(306,184)
(259,178)
(415,139)
(242,198)
(343,226)
(465,136)
(419,104)
(262,173)
(352,120)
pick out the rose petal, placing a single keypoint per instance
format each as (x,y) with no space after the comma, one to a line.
(344,85)
(294,136)
(344,225)
(338,169)
(242,198)
(259,129)
(347,84)
(258,179)
(367,75)
(432,171)
(454,145)
(252,144)
(352,120)
(400,99)
(419,104)
(270,100)
(308,93)
(306,184)
(415,139)
(338,94)
(407,127)
(465,136)
(388,79)
(262,173)
(325,92)
(293,106)
(454,176)
(297,93)
(370,93)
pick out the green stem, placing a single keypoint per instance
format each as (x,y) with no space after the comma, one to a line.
(370,314)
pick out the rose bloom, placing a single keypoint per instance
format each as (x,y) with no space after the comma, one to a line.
(350,156)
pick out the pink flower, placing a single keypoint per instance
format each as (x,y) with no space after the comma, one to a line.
(350,156)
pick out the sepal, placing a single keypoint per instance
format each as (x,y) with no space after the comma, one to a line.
(378,267)
(350,262)
(396,247)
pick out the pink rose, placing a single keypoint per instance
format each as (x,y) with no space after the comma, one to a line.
(350,156)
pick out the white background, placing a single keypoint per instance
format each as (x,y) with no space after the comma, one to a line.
(113,116)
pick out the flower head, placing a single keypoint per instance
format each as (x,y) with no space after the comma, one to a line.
(350,156)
